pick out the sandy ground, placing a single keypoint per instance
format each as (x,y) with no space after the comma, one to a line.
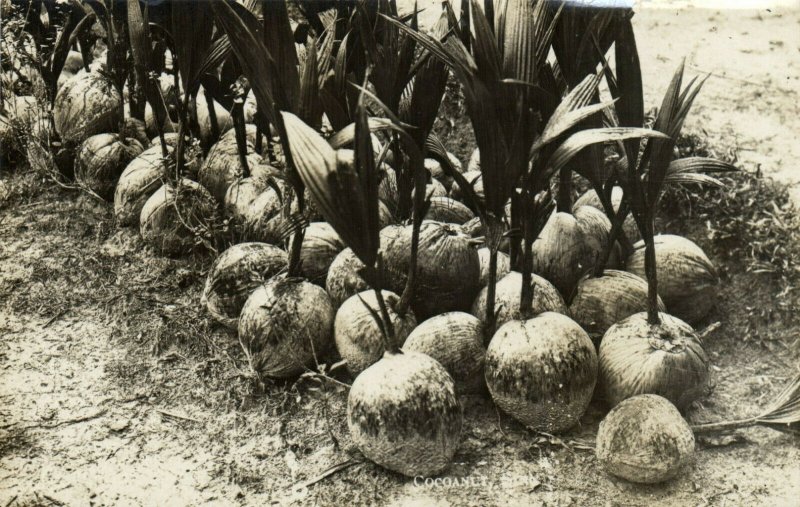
(116,390)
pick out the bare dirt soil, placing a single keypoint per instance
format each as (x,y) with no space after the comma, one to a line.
(117,389)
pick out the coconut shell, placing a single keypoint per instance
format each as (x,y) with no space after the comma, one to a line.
(344,279)
(448,270)
(284,325)
(236,273)
(687,280)
(403,414)
(546,298)
(86,105)
(596,229)
(667,359)
(224,120)
(542,371)
(243,192)
(263,220)
(173,220)
(455,340)
(321,245)
(601,302)
(358,338)
(644,439)
(449,211)
(140,179)
(101,160)
(221,168)
(503,265)
(561,254)
(590,198)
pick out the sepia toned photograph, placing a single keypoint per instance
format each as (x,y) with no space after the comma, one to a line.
(422,253)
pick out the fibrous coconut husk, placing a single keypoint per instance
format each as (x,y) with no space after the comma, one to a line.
(222,168)
(644,439)
(590,198)
(86,105)
(344,278)
(175,219)
(667,359)
(475,161)
(542,371)
(546,298)
(437,171)
(101,160)
(455,339)
(476,179)
(358,338)
(236,273)
(596,230)
(503,265)
(687,280)
(447,210)
(560,253)
(243,192)
(601,302)
(321,245)
(403,414)
(285,325)
(140,179)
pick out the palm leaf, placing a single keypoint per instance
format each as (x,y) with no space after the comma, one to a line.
(192,26)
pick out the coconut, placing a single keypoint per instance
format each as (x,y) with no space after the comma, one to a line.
(285,325)
(236,273)
(448,270)
(169,127)
(387,188)
(596,228)
(344,279)
(243,192)
(86,105)
(590,198)
(561,254)
(455,340)
(385,215)
(140,179)
(174,218)
(403,414)
(359,340)
(687,280)
(224,120)
(476,179)
(601,302)
(507,293)
(667,359)
(447,210)
(135,128)
(474,161)
(542,371)
(473,227)
(644,439)
(102,159)
(263,220)
(503,265)
(321,245)
(74,62)
(437,171)
(221,168)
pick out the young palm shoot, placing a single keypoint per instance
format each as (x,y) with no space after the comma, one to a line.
(402,411)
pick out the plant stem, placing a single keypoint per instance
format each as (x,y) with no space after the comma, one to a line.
(565,191)
(294,252)
(617,234)
(724,426)
(241,134)
(416,221)
(181,133)
(494,235)
(390,344)
(650,271)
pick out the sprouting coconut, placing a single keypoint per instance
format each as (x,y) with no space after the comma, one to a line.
(473,177)
(359,340)
(243,192)
(134,127)
(542,371)
(596,228)
(101,160)
(590,198)
(644,439)
(638,357)
(140,179)
(448,270)
(434,167)
(236,273)
(474,161)
(222,168)
(176,217)
(285,326)
(263,220)
(561,254)
(449,211)
(321,245)
(600,302)
(403,414)
(344,278)
(86,105)
(223,118)
(503,265)
(546,298)
(455,340)
(687,280)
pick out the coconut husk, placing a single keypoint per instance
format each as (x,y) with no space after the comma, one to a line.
(596,228)
(601,302)
(243,192)
(358,338)
(140,179)
(175,220)
(285,325)
(344,279)
(321,245)
(546,298)
(542,371)
(236,273)
(224,120)
(560,253)
(687,280)
(438,173)
(403,414)
(101,160)
(449,211)
(590,198)
(667,359)
(86,105)
(644,439)
(474,161)
(222,168)
(455,340)
(473,177)
(503,265)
